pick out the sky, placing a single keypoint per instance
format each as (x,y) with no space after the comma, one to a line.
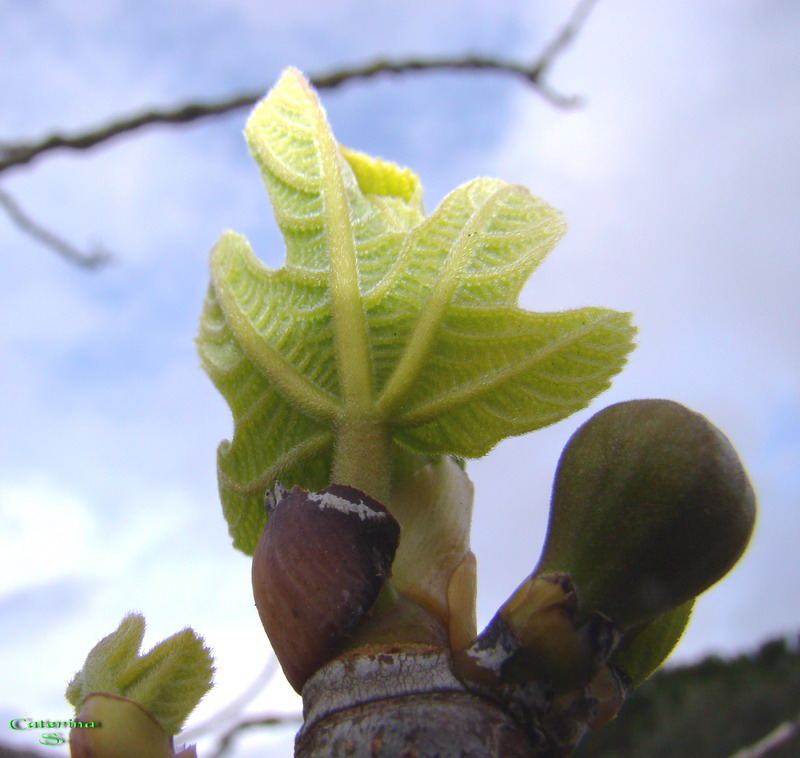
(678,176)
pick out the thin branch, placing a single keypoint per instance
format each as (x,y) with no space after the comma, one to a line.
(13,155)
(778,737)
(226,741)
(91,260)
(564,38)
(20,154)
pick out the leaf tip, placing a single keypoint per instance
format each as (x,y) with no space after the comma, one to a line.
(167,682)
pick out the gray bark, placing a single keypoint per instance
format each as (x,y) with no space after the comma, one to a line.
(405,702)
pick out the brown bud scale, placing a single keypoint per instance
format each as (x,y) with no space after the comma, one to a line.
(318,567)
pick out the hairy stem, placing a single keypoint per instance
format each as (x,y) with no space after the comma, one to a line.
(362,457)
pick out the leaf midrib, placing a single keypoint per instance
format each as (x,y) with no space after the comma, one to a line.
(430,316)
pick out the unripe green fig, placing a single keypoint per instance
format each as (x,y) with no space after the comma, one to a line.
(650,507)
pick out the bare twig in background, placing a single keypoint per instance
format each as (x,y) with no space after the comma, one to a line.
(235,707)
(226,740)
(563,40)
(777,738)
(22,153)
(19,154)
(16,155)
(92,259)
(13,155)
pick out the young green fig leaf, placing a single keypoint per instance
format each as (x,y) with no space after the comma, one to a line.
(167,682)
(387,334)
(651,506)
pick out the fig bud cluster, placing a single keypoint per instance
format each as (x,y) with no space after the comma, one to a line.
(650,507)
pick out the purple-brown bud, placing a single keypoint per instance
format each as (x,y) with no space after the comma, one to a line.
(318,567)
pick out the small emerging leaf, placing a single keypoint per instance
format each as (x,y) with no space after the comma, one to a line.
(167,682)
(643,651)
(387,335)
(434,565)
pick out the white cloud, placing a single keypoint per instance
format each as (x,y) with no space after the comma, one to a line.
(45,534)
